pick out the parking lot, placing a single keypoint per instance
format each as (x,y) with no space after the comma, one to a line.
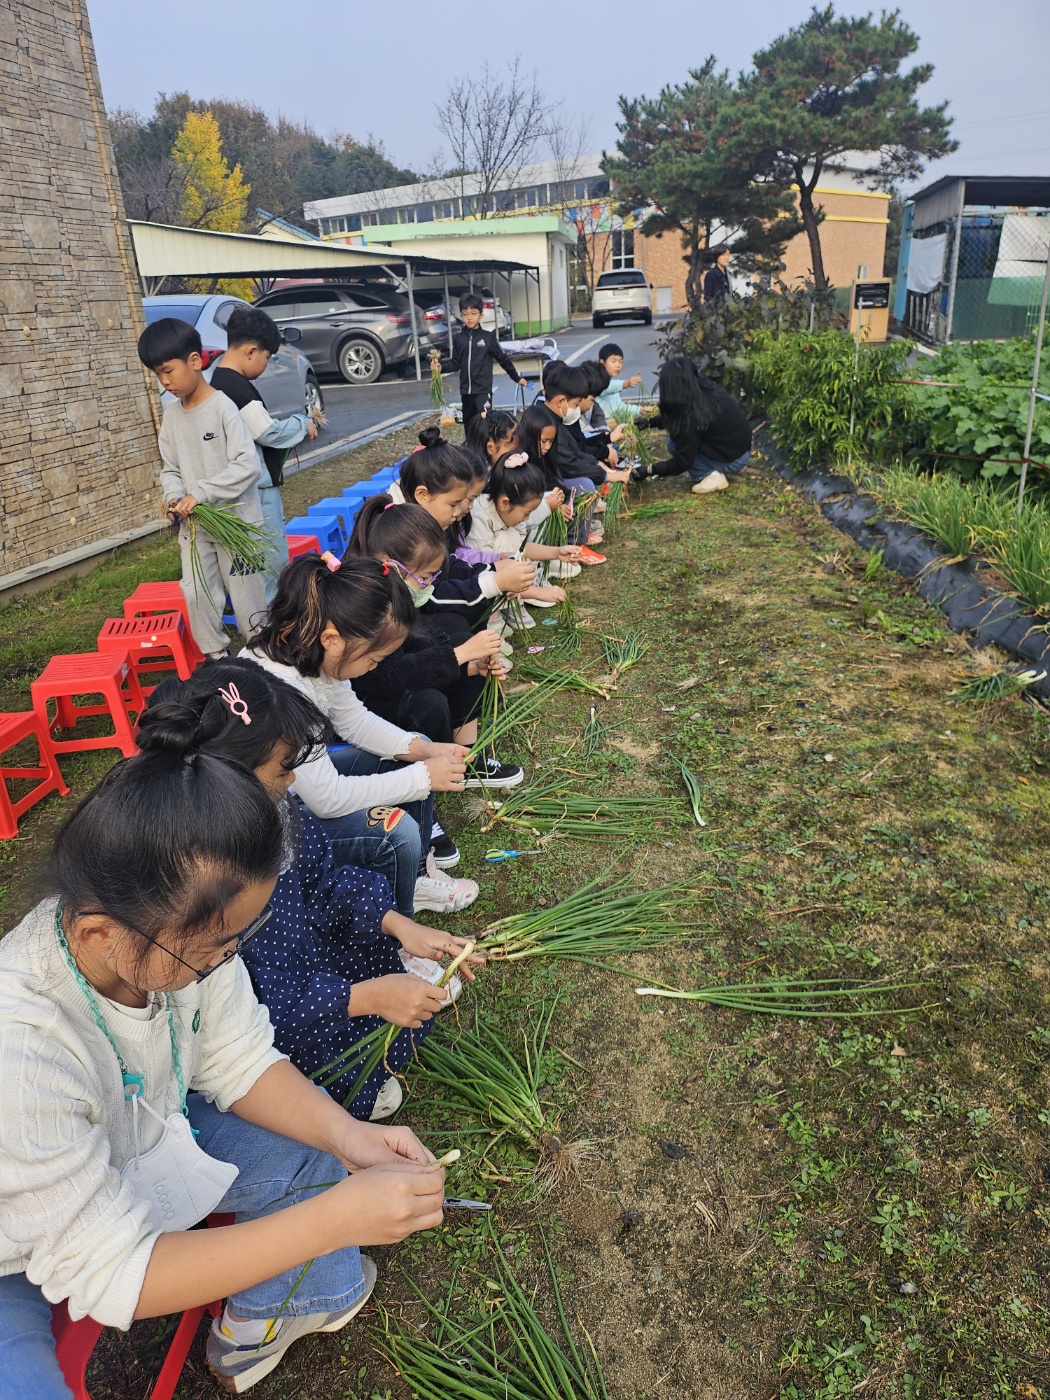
(358,413)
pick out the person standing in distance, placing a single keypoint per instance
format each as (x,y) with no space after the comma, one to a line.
(717,286)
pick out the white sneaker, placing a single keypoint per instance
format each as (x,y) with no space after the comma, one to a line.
(714,481)
(440,892)
(563,568)
(542,602)
(431,972)
(388,1100)
(506,648)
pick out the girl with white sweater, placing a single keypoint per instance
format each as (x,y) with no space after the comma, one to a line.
(143,1092)
(328,623)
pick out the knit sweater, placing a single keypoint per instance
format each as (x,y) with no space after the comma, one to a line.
(322,787)
(66,1219)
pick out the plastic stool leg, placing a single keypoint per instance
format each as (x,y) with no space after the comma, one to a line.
(168,1379)
(8,822)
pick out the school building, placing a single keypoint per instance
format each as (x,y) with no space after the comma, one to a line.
(574,198)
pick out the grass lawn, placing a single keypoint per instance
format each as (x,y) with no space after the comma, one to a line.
(769,1207)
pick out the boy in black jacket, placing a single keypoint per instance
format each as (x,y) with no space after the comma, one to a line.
(473,351)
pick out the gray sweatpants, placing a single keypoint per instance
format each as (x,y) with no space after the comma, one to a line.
(205,600)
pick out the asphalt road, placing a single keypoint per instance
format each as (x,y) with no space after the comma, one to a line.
(358,414)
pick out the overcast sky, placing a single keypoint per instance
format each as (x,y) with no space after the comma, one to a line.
(379,69)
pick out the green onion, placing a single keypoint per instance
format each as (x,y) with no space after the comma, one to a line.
(530,669)
(651,511)
(614,508)
(692,787)
(997,686)
(616,919)
(518,711)
(437,384)
(621,653)
(593,735)
(549,807)
(247,542)
(504,1353)
(796,997)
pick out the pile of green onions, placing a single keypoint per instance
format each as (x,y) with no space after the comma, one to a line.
(614,508)
(247,542)
(549,807)
(530,669)
(553,532)
(621,653)
(593,921)
(507,1353)
(478,1069)
(802,998)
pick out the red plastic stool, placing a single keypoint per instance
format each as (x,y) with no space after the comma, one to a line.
(108,674)
(302,544)
(146,640)
(149,599)
(75,1341)
(13,729)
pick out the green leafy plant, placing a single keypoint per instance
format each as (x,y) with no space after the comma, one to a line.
(996,686)
(621,653)
(693,789)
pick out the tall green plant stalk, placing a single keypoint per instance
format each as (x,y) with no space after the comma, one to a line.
(247,542)
(549,807)
(800,998)
(518,711)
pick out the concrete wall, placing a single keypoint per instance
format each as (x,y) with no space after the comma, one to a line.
(78,454)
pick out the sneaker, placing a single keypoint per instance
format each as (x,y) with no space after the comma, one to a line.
(506,648)
(541,603)
(596,536)
(238,1367)
(445,850)
(489,772)
(563,568)
(713,481)
(388,1100)
(432,972)
(589,556)
(441,893)
(522,619)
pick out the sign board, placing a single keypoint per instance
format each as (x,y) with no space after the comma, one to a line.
(871,295)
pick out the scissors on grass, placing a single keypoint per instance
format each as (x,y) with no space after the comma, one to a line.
(461,1203)
(509,855)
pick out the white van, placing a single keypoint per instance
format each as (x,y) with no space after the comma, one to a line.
(622,295)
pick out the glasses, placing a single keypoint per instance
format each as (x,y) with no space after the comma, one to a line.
(424,581)
(242,941)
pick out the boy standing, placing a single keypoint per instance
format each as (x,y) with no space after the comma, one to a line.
(610,357)
(208,458)
(252,337)
(473,351)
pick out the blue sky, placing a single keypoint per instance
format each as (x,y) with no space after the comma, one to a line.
(371,69)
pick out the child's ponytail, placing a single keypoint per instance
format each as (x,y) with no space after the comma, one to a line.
(406,533)
(516,478)
(491,431)
(364,601)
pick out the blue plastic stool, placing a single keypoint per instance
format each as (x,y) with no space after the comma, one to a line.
(229,617)
(338,506)
(387,475)
(360,491)
(326,527)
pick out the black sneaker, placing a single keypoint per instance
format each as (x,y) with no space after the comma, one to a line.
(446,852)
(489,772)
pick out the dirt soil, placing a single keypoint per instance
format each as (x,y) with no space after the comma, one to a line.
(769,1206)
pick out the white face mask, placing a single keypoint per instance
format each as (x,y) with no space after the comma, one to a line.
(422,595)
(572,415)
(181,1184)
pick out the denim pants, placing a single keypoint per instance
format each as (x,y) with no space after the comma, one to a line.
(277,551)
(397,848)
(275,1172)
(704,466)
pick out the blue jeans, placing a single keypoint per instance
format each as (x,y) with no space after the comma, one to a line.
(277,551)
(275,1172)
(704,466)
(398,851)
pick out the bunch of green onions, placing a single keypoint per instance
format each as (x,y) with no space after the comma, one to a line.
(621,653)
(616,919)
(498,722)
(692,788)
(508,1353)
(437,384)
(593,735)
(801,998)
(483,1073)
(548,807)
(569,637)
(652,510)
(364,1056)
(996,686)
(553,532)
(614,508)
(247,542)
(531,669)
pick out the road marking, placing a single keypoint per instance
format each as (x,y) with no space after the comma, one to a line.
(583,349)
(333,449)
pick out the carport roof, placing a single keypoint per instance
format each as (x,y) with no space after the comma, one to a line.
(164,250)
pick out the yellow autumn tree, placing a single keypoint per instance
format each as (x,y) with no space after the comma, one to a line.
(212,196)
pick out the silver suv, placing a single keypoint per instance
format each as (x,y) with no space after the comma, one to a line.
(622,295)
(357,330)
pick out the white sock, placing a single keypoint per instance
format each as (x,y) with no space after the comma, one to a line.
(249,1331)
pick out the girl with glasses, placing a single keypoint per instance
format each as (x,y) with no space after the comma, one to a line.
(143,1091)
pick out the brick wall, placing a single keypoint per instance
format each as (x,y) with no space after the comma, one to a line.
(78,454)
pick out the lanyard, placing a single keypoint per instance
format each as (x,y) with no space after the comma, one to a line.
(133,1083)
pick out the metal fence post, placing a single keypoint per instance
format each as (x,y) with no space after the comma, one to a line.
(1034,391)
(953,276)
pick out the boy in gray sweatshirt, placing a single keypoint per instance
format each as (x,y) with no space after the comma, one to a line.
(208,457)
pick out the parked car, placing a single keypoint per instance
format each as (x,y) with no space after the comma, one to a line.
(288,384)
(355,330)
(432,299)
(622,295)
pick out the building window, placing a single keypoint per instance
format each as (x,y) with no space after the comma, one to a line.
(353,223)
(622,247)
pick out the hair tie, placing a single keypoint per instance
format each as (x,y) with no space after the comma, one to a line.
(334,564)
(390,505)
(238,707)
(517,459)
(386,570)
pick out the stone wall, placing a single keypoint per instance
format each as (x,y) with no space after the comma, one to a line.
(78,453)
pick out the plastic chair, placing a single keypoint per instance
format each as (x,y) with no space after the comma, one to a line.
(325,529)
(339,506)
(47,775)
(108,674)
(388,474)
(360,491)
(302,544)
(150,599)
(144,637)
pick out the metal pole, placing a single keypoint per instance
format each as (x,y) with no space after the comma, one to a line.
(856,372)
(412,313)
(528,306)
(448,309)
(953,276)
(513,323)
(1034,392)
